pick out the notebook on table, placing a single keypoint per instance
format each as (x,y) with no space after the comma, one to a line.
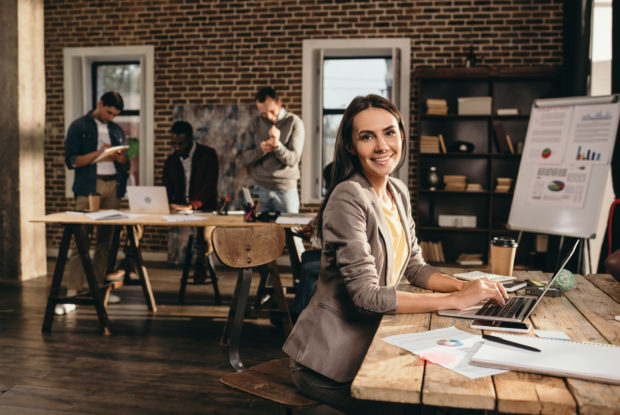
(593,361)
(148,199)
(474,275)
(516,309)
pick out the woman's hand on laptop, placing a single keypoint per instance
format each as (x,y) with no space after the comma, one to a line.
(478,291)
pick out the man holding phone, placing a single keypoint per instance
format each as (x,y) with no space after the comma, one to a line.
(272,147)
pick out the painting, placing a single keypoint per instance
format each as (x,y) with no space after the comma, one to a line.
(220,127)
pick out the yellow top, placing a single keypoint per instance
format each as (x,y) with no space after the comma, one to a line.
(398,240)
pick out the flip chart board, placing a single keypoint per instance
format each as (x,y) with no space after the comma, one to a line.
(565,166)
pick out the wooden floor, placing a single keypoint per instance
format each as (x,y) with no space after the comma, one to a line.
(169,362)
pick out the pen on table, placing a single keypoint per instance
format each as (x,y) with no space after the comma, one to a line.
(509,343)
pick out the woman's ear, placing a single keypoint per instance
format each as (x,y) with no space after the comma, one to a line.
(350,149)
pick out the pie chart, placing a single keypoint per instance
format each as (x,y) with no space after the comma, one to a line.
(556,186)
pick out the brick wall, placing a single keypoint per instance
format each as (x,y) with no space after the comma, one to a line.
(221,51)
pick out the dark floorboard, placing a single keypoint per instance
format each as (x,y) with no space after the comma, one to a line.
(168,362)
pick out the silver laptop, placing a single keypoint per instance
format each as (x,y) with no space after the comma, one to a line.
(148,199)
(516,309)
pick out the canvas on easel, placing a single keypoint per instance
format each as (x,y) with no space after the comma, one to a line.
(565,166)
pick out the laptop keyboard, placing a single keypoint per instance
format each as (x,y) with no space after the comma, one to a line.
(511,309)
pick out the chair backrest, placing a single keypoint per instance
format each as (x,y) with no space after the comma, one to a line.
(243,247)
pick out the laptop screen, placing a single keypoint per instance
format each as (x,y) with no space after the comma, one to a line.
(148,199)
(567,257)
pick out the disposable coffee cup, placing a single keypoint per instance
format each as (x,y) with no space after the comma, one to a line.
(93,202)
(503,251)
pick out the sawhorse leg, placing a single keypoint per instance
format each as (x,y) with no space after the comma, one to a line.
(145,282)
(204,272)
(59,270)
(187,265)
(91,279)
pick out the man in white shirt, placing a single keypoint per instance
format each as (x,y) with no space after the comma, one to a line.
(87,138)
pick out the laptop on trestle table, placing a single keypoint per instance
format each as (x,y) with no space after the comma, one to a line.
(148,199)
(516,309)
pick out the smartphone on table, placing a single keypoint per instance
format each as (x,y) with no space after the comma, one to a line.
(501,326)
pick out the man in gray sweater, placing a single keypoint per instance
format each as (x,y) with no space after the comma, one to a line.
(272,147)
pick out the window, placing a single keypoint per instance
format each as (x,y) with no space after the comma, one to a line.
(126,79)
(334,72)
(600,83)
(89,72)
(343,80)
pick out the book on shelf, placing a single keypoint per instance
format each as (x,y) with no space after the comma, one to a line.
(454,182)
(451,186)
(441,257)
(454,178)
(436,106)
(442,143)
(429,144)
(503,184)
(436,102)
(509,142)
(508,111)
(504,180)
(500,138)
(432,251)
(474,187)
(469,259)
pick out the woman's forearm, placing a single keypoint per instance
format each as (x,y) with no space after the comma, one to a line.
(444,283)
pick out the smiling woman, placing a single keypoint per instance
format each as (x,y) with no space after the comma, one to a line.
(378,145)
(368,245)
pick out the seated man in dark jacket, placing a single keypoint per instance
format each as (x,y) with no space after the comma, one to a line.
(190,172)
(190,176)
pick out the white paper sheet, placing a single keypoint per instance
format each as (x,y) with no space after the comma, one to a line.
(182,218)
(560,185)
(107,214)
(294,219)
(593,134)
(449,347)
(551,334)
(546,139)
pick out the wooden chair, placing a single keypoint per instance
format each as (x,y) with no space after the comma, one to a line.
(245,248)
(272,381)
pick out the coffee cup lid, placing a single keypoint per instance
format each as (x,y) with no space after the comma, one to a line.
(504,241)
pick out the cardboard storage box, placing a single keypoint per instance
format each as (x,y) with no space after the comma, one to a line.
(457,221)
(474,106)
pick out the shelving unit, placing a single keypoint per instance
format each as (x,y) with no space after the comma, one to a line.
(509,88)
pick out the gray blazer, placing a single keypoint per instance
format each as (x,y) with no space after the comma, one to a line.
(334,332)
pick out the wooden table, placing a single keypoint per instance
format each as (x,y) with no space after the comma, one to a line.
(73,227)
(584,313)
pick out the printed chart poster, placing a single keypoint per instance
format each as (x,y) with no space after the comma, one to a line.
(560,185)
(593,134)
(547,135)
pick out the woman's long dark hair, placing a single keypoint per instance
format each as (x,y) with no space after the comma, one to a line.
(345,163)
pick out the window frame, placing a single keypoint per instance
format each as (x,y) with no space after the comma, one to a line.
(78,93)
(314,51)
(93,70)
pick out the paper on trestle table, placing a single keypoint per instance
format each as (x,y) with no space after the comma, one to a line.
(107,214)
(181,218)
(448,347)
